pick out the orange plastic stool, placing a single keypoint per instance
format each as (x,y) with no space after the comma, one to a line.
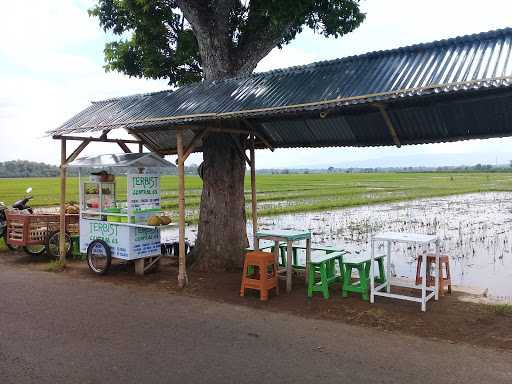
(445,282)
(263,276)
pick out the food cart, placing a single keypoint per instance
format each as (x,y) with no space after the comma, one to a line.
(110,228)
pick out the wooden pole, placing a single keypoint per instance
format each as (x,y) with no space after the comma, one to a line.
(62,229)
(96,139)
(253,190)
(182,272)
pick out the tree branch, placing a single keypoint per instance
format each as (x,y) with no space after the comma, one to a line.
(259,36)
(210,24)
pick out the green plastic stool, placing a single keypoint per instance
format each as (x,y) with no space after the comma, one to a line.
(325,267)
(362,285)
(283,248)
(382,274)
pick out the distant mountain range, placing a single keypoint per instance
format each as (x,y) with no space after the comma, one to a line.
(422,160)
(23,168)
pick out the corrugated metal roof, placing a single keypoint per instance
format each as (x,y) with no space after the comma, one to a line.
(424,87)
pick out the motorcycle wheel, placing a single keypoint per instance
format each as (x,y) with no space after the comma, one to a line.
(53,244)
(35,250)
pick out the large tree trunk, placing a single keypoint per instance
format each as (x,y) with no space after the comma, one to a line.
(222,234)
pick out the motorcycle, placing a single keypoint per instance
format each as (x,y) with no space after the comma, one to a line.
(23,207)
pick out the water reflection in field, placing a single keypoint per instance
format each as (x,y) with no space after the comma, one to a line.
(475,231)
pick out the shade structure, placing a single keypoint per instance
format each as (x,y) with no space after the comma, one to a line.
(447,90)
(454,89)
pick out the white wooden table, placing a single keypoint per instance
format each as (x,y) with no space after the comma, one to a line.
(411,238)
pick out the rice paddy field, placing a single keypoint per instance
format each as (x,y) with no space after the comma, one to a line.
(470,212)
(290,193)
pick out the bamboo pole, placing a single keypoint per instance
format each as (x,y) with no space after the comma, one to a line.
(62,229)
(253,190)
(182,272)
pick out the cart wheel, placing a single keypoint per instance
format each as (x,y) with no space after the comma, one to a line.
(35,250)
(53,244)
(99,257)
(11,247)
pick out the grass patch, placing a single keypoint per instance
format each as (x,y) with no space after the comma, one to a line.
(55,266)
(291,193)
(3,247)
(501,309)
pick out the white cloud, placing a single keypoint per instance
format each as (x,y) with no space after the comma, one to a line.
(51,53)
(288,56)
(38,26)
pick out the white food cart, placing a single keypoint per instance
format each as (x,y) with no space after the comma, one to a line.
(110,228)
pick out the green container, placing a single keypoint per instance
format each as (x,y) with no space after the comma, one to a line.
(112,210)
(111,218)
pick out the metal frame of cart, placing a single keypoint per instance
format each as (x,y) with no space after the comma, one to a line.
(124,235)
(402,237)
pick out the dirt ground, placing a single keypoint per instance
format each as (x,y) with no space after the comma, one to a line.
(450,319)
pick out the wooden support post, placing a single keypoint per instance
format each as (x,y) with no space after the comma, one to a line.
(182,272)
(253,189)
(141,148)
(62,229)
(139,267)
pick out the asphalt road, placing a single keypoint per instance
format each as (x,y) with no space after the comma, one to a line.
(55,329)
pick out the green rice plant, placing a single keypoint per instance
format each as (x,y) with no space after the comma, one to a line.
(289,193)
(501,309)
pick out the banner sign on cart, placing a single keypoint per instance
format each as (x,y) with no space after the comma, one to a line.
(144,190)
(125,242)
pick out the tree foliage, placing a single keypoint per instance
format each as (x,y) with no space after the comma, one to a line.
(24,168)
(187,40)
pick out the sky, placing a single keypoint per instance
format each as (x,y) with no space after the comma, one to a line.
(51,67)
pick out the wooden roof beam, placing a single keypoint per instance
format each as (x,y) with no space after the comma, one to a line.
(241,151)
(195,141)
(389,123)
(148,145)
(125,148)
(265,140)
(96,139)
(77,151)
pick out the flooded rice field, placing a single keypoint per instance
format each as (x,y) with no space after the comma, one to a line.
(475,231)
